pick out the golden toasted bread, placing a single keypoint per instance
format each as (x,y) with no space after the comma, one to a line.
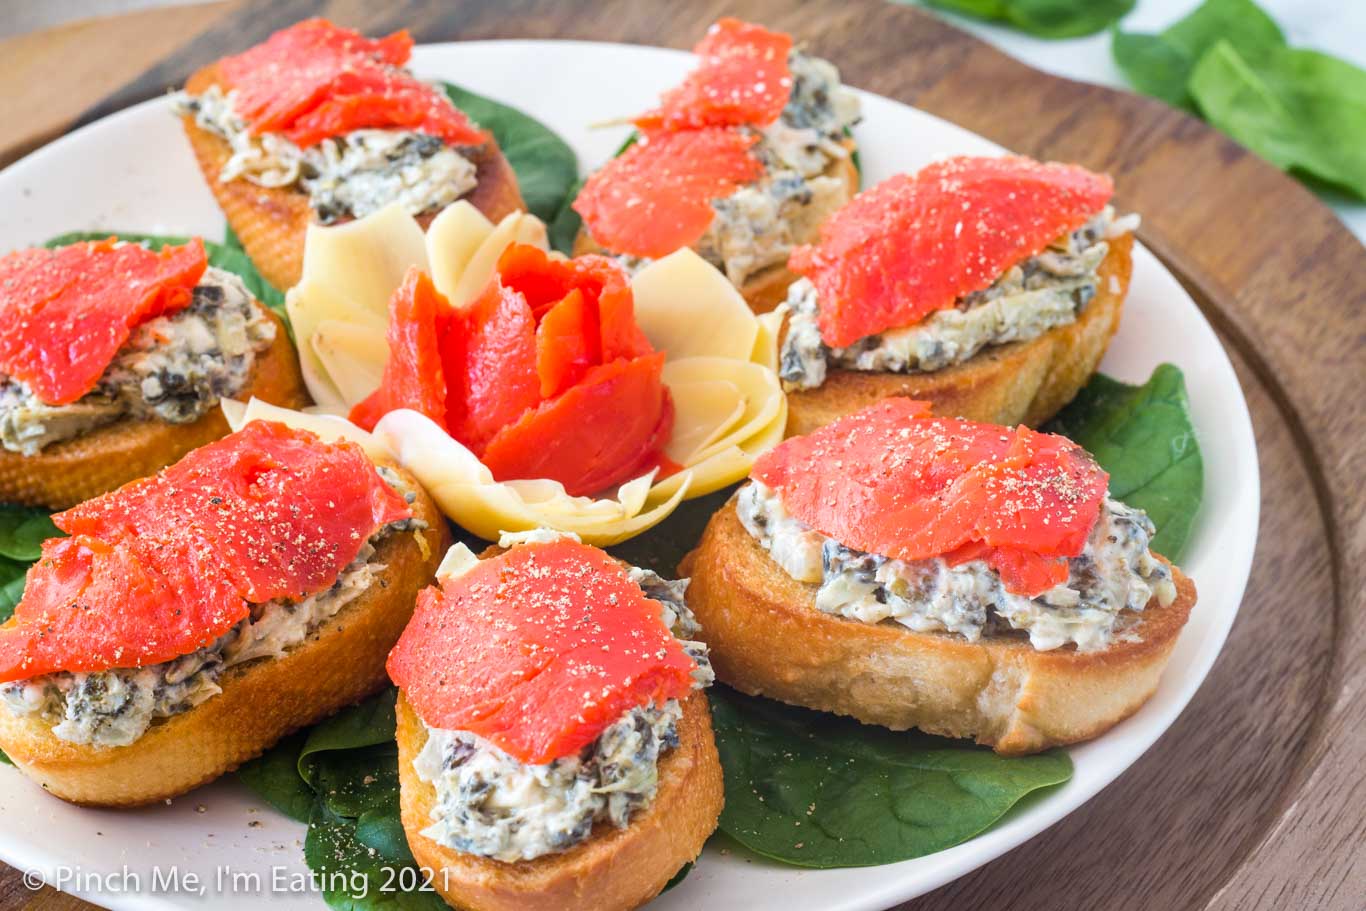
(271,221)
(261,701)
(767,638)
(1018,383)
(767,288)
(72,471)
(615,869)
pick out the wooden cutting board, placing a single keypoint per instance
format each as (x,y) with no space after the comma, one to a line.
(1256,797)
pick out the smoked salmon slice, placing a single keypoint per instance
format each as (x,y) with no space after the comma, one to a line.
(656,197)
(742,79)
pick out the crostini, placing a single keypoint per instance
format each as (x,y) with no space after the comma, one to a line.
(320,124)
(962,578)
(555,745)
(742,161)
(113,359)
(194,618)
(989,286)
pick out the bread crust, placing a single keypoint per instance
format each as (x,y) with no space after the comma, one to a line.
(1017,383)
(271,221)
(766,289)
(614,870)
(261,702)
(767,638)
(72,471)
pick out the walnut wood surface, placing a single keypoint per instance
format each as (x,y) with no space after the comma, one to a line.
(1256,797)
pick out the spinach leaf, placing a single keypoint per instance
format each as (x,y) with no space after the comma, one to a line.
(545,165)
(563,229)
(228,255)
(364,864)
(678,877)
(817,790)
(23,529)
(12,574)
(365,724)
(1161,65)
(1044,18)
(1303,111)
(1143,436)
(5,759)
(274,776)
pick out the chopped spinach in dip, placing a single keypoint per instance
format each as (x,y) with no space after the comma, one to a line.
(346,176)
(490,804)
(1032,297)
(1114,573)
(173,368)
(115,707)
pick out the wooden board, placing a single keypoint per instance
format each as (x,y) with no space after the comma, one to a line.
(1256,797)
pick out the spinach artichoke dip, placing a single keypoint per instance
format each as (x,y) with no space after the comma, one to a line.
(347,176)
(173,368)
(114,708)
(491,804)
(1032,297)
(1115,573)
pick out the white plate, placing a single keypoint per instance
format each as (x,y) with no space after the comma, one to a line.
(134,171)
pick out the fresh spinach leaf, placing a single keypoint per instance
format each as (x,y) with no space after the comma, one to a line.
(1143,436)
(353,782)
(12,574)
(545,164)
(1044,18)
(364,864)
(274,776)
(228,255)
(817,790)
(23,529)
(365,724)
(678,877)
(1303,111)
(1161,64)
(563,229)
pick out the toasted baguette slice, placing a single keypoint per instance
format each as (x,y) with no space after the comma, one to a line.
(271,221)
(614,870)
(1018,383)
(767,638)
(767,288)
(261,701)
(75,470)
